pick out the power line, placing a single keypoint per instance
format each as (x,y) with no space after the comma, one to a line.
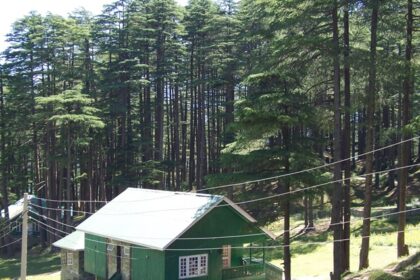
(6,225)
(6,234)
(87,248)
(323,184)
(45,217)
(309,169)
(246,182)
(237,203)
(185,238)
(17,240)
(98,201)
(238,247)
(377,217)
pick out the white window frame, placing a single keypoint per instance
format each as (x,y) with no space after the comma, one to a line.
(35,226)
(110,247)
(226,255)
(202,266)
(16,226)
(126,250)
(69,259)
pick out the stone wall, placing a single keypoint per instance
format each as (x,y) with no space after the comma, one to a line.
(75,270)
(111,256)
(125,259)
(126,262)
(70,271)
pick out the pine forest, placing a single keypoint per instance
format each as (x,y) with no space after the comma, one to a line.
(295,110)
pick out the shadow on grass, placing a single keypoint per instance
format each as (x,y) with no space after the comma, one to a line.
(37,264)
(302,245)
(387,225)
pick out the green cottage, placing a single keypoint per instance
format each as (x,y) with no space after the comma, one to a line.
(161,235)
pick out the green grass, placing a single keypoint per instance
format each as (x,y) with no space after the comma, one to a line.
(316,259)
(307,259)
(382,275)
(38,263)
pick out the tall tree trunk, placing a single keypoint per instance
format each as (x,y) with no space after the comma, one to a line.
(346,142)
(286,210)
(4,188)
(371,93)
(229,108)
(405,147)
(311,225)
(201,134)
(184,116)
(177,145)
(147,124)
(68,176)
(193,120)
(159,98)
(337,193)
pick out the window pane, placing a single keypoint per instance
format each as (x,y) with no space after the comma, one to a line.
(182,267)
(69,258)
(193,266)
(203,265)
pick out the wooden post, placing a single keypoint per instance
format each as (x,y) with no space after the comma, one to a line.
(24,256)
(250,253)
(264,253)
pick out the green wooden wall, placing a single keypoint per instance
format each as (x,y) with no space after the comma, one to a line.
(95,256)
(147,264)
(221,221)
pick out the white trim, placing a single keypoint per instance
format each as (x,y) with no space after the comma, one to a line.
(126,250)
(239,209)
(201,269)
(269,233)
(248,217)
(227,257)
(120,240)
(190,225)
(69,259)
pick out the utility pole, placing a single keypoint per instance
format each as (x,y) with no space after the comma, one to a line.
(24,255)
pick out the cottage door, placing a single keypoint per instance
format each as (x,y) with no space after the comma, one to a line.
(119,259)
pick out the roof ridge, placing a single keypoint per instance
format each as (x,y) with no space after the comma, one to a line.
(176,192)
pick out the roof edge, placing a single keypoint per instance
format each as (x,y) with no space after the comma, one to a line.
(121,240)
(240,210)
(192,224)
(248,217)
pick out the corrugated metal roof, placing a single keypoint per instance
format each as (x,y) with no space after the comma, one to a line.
(75,241)
(149,218)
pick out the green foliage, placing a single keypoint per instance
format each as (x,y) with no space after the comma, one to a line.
(382,275)
(71,108)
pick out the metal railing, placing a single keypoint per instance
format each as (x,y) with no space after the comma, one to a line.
(265,271)
(243,271)
(272,272)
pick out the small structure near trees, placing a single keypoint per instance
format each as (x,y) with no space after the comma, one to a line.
(14,223)
(72,256)
(162,235)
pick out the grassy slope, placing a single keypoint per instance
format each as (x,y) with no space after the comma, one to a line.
(38,263)
(308,260)
(316,260)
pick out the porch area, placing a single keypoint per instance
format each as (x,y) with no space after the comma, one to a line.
(259,271)
(248,264)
